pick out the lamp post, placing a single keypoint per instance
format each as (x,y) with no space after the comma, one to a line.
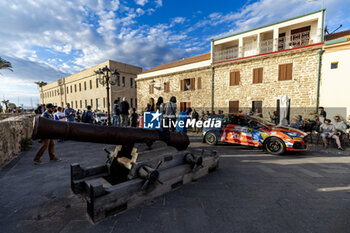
(106,76)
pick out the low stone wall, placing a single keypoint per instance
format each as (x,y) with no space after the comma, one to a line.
(12,131)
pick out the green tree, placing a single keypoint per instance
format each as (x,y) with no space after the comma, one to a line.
(5,64)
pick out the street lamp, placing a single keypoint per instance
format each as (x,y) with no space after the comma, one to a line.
(106,76)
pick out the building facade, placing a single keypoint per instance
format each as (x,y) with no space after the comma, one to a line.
(83,88)
(246,71)
(335,81)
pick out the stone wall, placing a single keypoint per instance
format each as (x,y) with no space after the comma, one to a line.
(301,89)
(12,130)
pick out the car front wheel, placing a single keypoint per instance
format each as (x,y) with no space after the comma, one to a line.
(275,146)
(210,138)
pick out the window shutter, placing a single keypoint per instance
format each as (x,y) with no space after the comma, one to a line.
(165,87)
(232,77)
(199,83)
(260,75)
(237,77)
(289,71)
(255,76)
(168,84)
(151,89)
(182,106)
(192,83)
(281,72)
(182,85)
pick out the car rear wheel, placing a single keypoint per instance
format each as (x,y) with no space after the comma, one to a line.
(210,138)
(275,146)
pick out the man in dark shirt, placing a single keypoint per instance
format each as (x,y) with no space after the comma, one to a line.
(47,143)
(124,112)
(116,113)
(322,115)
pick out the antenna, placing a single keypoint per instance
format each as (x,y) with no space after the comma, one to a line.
(341,25)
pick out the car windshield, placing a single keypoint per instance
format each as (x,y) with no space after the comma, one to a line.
(262,120)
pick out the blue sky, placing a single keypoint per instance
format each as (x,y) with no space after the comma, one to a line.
(47,40)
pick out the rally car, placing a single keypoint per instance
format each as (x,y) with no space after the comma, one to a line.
(254,131)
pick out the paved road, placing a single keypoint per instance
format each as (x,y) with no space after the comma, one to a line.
(251,192)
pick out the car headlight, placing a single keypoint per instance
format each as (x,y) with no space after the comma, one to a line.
(291,134)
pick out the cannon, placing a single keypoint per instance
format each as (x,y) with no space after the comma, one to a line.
(146,163)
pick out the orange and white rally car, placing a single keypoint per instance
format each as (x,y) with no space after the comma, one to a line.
(254,131)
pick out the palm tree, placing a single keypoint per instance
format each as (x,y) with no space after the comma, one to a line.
(5,64)
(40,83)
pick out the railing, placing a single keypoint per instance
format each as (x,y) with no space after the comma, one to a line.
(294,41)
(266,46)
(226,54)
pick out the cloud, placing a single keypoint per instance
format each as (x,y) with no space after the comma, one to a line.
(141,2)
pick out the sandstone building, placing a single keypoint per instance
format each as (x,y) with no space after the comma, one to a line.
(247,70)
(83,89)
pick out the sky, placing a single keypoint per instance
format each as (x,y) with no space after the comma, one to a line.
(48,40)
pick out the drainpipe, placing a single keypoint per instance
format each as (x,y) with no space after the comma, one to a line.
(319,52)
(212,73)
(212,88)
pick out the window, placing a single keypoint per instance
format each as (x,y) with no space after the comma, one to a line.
(81,104)
(257,105)
(131,82)
(85,86)
(235,78)
(97,83)
(257,75)
(184,106)
(151,89)
(334,65)
(135,84)
(300,36)
(79,86)
(199,83)
(167,87)
(187,84)
(71,103)
(131,103)
(118,81)
(76,104)
(85,103)
(123,82)
(91,101)
(285,72)
(104,102)
(97,103)
(233,106)
(75,87)
(90,84)
(135,102)
(71,89)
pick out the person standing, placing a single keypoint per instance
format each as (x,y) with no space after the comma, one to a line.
(183,117)
(160,105)
(170,113)
(150,105)
(322,114)
(134,118)
(47,143)
(59,115)
(124,112)
(69,113)
(88,116)
(116,113)
(195,116)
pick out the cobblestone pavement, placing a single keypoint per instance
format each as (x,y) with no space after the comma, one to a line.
(251,192)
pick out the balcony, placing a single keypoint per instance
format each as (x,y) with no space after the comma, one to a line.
(226,54)
(251,48)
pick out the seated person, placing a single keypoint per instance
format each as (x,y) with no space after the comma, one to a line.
(298,123)
(340,126)
(328,130)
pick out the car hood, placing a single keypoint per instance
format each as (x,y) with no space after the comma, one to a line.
(287,128)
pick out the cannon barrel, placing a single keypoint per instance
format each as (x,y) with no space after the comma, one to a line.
(46,128)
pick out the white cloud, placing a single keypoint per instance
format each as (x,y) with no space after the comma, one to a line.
(159,3)
(141,2)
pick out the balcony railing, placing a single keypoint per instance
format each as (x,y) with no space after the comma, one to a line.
(294,41)
(227,54)
(266,46)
